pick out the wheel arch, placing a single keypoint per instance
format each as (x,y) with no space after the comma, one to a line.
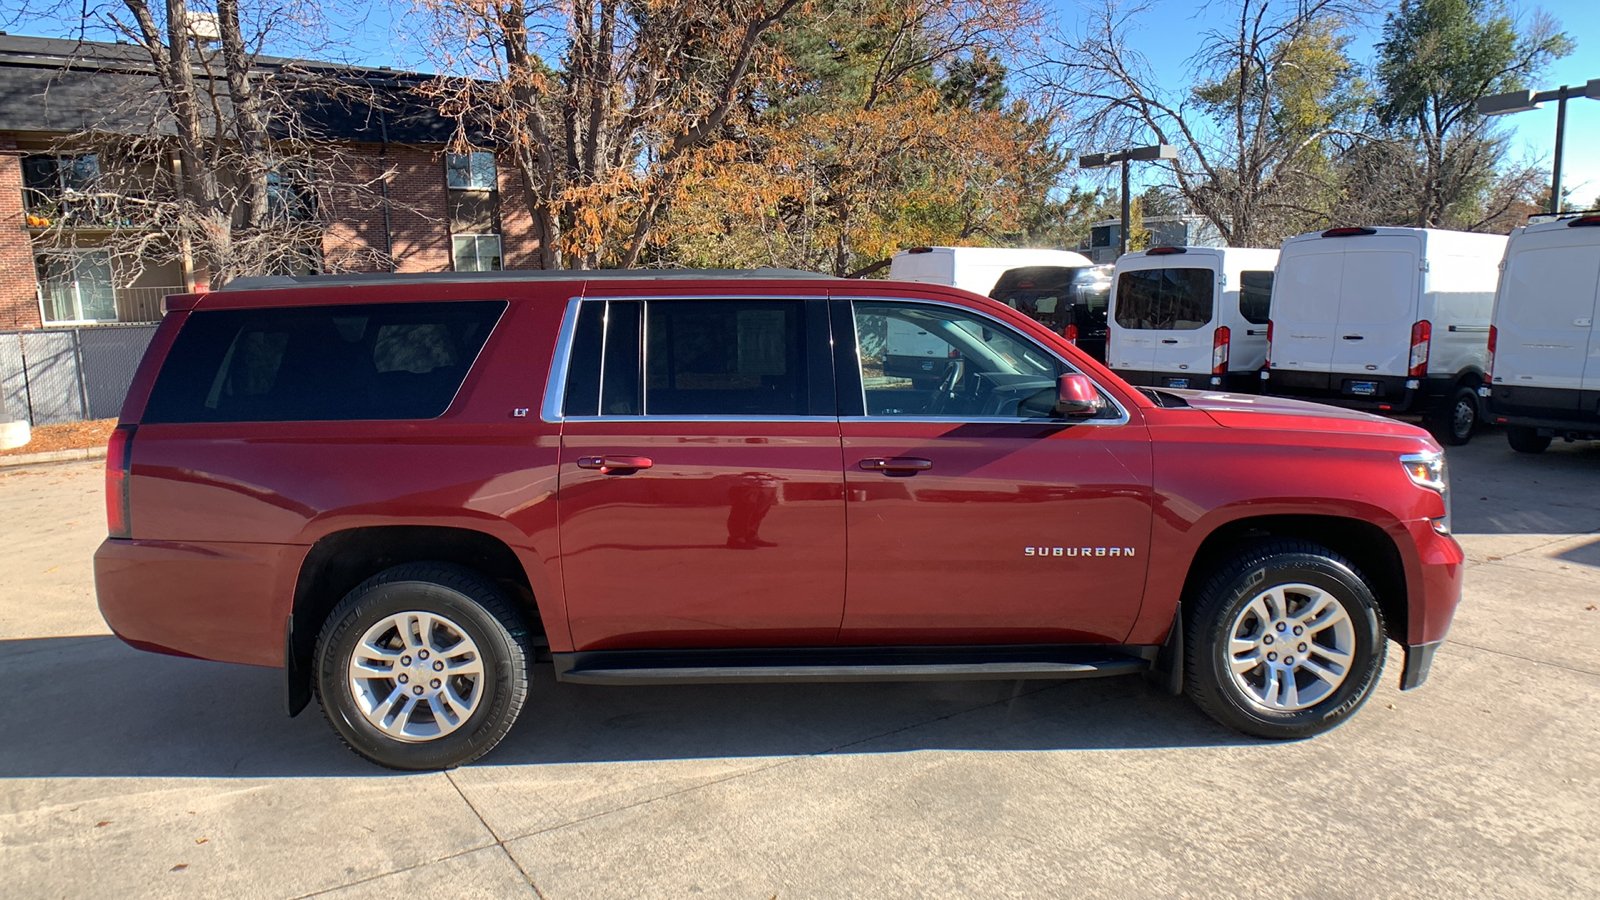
(1368,547)
(341,560)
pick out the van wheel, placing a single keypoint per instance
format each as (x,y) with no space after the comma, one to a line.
(1526,440)
(422,666)
(1453,423)
(1284,642)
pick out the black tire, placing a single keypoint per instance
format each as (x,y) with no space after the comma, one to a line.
(1526,440)
(1453,422)
(460,599)
(1210,620)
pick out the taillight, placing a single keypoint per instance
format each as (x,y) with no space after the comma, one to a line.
(1071,334)
(1488,369)
(1219,351)
(1268,363)
(1420,335)
(119,463)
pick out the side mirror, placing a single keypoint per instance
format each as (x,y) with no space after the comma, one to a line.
(1077,397)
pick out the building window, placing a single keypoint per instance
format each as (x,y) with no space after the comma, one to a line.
(290,196)
(60,189)
(476,252)
(470,171)
(77,287)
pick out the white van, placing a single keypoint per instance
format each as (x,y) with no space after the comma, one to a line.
(974,269)
(1387,319)
(1191,317)
(911,353)
(1544,349)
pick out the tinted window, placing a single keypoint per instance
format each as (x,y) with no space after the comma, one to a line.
(725,357)
(1255,296)
(1165,299)
(388,361)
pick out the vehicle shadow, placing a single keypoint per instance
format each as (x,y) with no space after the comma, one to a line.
(1583,554)
(92,707)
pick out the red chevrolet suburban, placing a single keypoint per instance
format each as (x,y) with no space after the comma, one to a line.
(406,490)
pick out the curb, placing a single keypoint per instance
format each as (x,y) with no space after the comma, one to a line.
(30,459)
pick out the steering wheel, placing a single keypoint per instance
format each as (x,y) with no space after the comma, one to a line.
(946,391)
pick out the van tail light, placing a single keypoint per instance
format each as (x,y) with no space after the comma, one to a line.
(1071,334)
(1488,369)
(1268,363)
(1421,333)
(119,465)
(1219,351)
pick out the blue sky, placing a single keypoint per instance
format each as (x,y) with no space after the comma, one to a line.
(1168,35)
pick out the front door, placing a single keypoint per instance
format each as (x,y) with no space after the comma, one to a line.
(975,517)
(701,499)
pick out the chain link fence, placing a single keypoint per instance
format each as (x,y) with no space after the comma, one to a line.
(57,375)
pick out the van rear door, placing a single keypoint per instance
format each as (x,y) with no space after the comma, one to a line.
(1305,305)
(1544,316)
(1377,305)
(1165,316)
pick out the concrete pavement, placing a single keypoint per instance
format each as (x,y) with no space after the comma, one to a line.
(134,775)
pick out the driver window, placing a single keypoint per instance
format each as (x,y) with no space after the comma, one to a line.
(935,361)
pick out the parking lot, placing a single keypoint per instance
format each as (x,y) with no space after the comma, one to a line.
(127,774)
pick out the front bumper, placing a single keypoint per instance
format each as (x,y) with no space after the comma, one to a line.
(1435,592)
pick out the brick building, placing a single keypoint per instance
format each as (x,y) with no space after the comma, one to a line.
(436,211)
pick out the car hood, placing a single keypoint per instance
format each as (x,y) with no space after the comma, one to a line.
(1285,414)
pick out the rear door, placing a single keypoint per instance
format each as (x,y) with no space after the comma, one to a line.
(701,494)
(1305,305)
(1164,316)
(1377,305)
(1545,319)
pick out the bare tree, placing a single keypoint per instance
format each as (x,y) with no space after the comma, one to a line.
(206,154)
(1272,89)
(602,103)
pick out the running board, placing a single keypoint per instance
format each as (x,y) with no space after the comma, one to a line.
(626,667)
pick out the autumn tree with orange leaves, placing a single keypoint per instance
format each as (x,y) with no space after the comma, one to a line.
(886,126)
(603,103)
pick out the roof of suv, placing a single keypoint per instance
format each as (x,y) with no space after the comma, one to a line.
(269,282)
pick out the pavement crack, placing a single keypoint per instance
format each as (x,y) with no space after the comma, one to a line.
(339,887)
(1529,659)
(498,841)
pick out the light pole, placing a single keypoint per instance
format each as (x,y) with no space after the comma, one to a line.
(1522,101)
(1123,156)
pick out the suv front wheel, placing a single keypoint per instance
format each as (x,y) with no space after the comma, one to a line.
(1284,642)
(422,666)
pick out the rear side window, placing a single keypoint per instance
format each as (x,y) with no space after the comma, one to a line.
(727,358)
(1165,299)
(1255,296)
(318,363)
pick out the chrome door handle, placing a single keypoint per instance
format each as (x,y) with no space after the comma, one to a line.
(608,464)
(897,464)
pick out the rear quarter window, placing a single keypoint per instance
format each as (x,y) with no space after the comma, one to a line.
(1255,296)
(1165,299)
(318,363)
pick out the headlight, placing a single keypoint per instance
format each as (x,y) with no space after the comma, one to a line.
(1428,470)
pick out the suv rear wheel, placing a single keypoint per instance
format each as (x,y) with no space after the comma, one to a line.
(422,666)
(1284,642)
